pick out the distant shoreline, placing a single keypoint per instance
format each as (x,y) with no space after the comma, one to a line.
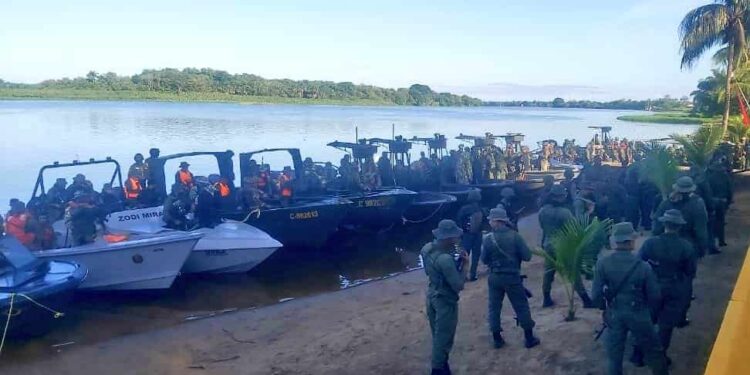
(675,118)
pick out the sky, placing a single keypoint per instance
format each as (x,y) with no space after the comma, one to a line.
(494,50)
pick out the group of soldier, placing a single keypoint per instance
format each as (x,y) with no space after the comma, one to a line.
(647,294)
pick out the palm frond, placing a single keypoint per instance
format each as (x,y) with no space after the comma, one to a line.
(700,146)
(660,168)
(702,29)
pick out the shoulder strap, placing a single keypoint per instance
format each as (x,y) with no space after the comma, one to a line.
(617,289)
(491,235)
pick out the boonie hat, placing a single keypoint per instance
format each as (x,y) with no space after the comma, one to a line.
(447,229)
(622,232)
(673,216)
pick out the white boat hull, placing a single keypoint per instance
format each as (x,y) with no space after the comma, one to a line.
(144,264)
(226,261)
(230,247)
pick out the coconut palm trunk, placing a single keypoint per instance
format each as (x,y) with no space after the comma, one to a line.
(728,96)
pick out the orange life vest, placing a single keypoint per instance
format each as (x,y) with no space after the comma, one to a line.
(15,225)
(285,186)
(222,188)
(133,188)
(186,177)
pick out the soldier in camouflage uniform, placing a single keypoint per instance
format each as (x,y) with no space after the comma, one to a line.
(674,262)
(552,217)
(694,212)
(446,281)
(636,292)
(721,185)
(471,218)
(503,250)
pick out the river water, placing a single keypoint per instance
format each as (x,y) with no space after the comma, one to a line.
(35,133)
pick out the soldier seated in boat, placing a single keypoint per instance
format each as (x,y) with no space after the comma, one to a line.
(206,204)
(176,208)
(112,199)
(311,181)
(78,186)
(20,223)
(251,196)
(284,184)
(81,217)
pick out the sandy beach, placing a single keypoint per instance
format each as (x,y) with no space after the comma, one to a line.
(380,328)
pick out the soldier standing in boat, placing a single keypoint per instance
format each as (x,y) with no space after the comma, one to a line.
(176,208)
(139,169)
(385,169)
(446,280)
(184,176)
(81,217)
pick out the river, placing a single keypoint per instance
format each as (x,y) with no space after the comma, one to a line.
(36,133)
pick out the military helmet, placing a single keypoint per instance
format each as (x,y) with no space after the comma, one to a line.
(673,216)
(474,196)
(498,214)
(623,232)
(447,229)
(684,184)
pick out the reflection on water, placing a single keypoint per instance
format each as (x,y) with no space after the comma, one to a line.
(349,260)
(38,132)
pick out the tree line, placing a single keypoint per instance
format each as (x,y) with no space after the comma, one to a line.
(663,104)
(192,80)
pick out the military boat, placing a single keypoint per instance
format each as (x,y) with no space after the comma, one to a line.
(29,286)
(296,223)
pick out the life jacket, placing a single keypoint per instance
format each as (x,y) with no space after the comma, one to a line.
(186,177)
(133,188)
(285,186)
(15,225)
(222,188)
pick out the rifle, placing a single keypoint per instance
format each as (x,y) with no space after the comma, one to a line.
(609,297)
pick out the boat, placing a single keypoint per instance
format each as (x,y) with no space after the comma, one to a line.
(230,247)
(130,264)
(117,262)
(299,223)
(429,206)
(34,291)
(461,192)
(375,209)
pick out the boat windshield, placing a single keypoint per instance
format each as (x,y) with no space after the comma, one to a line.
(13,254)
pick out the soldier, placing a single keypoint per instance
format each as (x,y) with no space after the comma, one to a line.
(694,230)
(446,281)
(81,217)
(674,262)
(471,219)
(721,185)
(549,182)
(176,208)
(503,250)
(139,169)
(386,170)
(631,290)
(552,217)
(703,190)
(633,190)
(510,204)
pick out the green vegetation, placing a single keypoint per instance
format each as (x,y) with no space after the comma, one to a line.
(700,146)
(721,23)
(215,85)
(664,104)
(670,118)
(660,168)
(574,253)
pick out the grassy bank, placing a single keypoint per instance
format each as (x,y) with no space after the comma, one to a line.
(668,118)
(83,94)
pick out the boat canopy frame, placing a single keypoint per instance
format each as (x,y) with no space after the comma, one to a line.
(223,161)
(39,186)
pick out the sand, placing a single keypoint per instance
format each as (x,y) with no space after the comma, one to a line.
(380,328)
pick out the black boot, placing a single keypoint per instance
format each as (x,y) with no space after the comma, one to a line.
(530,340)
(437,371)
(447,369)
(548,302)
(637,357)
(497,339)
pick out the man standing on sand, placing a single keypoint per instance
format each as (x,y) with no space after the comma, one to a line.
(446,281)
(471,218)
(674,262)
(503,250)
(631,292)
(553,217)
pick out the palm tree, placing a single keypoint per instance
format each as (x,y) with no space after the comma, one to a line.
(738,133)
(699,146)
(574,253)
(719,24)
(660,168)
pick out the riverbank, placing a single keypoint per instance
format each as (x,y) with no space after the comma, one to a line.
(380,327)
(135,95)
(680,118)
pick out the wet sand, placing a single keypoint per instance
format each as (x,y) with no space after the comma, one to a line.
(380,327)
